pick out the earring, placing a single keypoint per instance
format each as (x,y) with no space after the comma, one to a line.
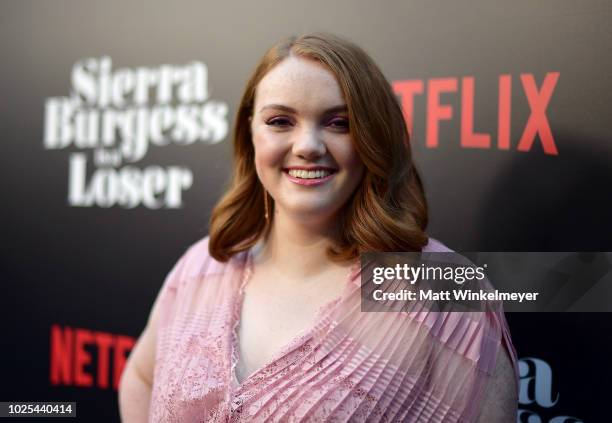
(266,207)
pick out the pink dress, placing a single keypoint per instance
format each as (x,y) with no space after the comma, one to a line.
(348,366)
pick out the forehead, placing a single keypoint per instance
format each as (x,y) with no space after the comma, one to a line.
(300,83)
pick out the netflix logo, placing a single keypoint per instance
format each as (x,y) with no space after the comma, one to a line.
(537,125)
(82,357)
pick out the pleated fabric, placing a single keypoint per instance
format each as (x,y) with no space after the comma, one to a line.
(413,366)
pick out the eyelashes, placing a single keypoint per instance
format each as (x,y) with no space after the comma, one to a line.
(337,123)
(278,122)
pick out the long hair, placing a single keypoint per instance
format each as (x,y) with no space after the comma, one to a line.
(387,211)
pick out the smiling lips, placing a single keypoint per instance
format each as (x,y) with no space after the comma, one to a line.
(315,175)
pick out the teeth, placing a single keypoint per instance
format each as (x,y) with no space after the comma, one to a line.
(309,174)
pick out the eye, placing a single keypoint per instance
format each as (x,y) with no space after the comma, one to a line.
(339,123)
(280,122)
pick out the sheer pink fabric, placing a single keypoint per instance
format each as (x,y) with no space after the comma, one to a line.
(418,366)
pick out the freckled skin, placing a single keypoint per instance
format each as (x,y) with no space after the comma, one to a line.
(307,137)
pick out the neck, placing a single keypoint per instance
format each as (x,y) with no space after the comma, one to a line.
(296,248)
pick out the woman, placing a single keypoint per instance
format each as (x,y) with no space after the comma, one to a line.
(261,320)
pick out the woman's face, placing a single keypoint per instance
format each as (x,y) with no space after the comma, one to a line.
(304,154)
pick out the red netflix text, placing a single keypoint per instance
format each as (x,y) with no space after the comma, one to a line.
(71,357)
(538,99)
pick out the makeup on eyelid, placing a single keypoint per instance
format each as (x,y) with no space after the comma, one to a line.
(333,122)
(305,157)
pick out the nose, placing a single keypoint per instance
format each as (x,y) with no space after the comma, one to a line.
(308,144)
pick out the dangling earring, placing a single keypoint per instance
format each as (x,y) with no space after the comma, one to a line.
(266,207)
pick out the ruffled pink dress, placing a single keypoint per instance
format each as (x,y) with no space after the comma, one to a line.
(348,366)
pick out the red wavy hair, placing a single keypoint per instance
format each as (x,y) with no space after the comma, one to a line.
(387,211)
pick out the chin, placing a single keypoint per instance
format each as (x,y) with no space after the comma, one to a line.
(308,212)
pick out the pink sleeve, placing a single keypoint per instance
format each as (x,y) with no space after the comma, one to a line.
(188,265)
(499,326)
(166,298)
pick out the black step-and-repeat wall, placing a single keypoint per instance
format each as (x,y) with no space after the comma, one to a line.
(115,126)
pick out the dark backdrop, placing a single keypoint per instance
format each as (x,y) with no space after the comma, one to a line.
(80,280)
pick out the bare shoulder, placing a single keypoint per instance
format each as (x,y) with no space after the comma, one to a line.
(500,401)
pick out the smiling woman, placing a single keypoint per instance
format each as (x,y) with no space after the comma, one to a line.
(304,155)
(261,321)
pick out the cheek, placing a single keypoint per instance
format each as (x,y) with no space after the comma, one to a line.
(349,159)
(267,153)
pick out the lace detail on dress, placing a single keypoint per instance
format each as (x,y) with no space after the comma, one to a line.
(236,312)
(347,365)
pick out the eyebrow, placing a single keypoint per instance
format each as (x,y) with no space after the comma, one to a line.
(340,108)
